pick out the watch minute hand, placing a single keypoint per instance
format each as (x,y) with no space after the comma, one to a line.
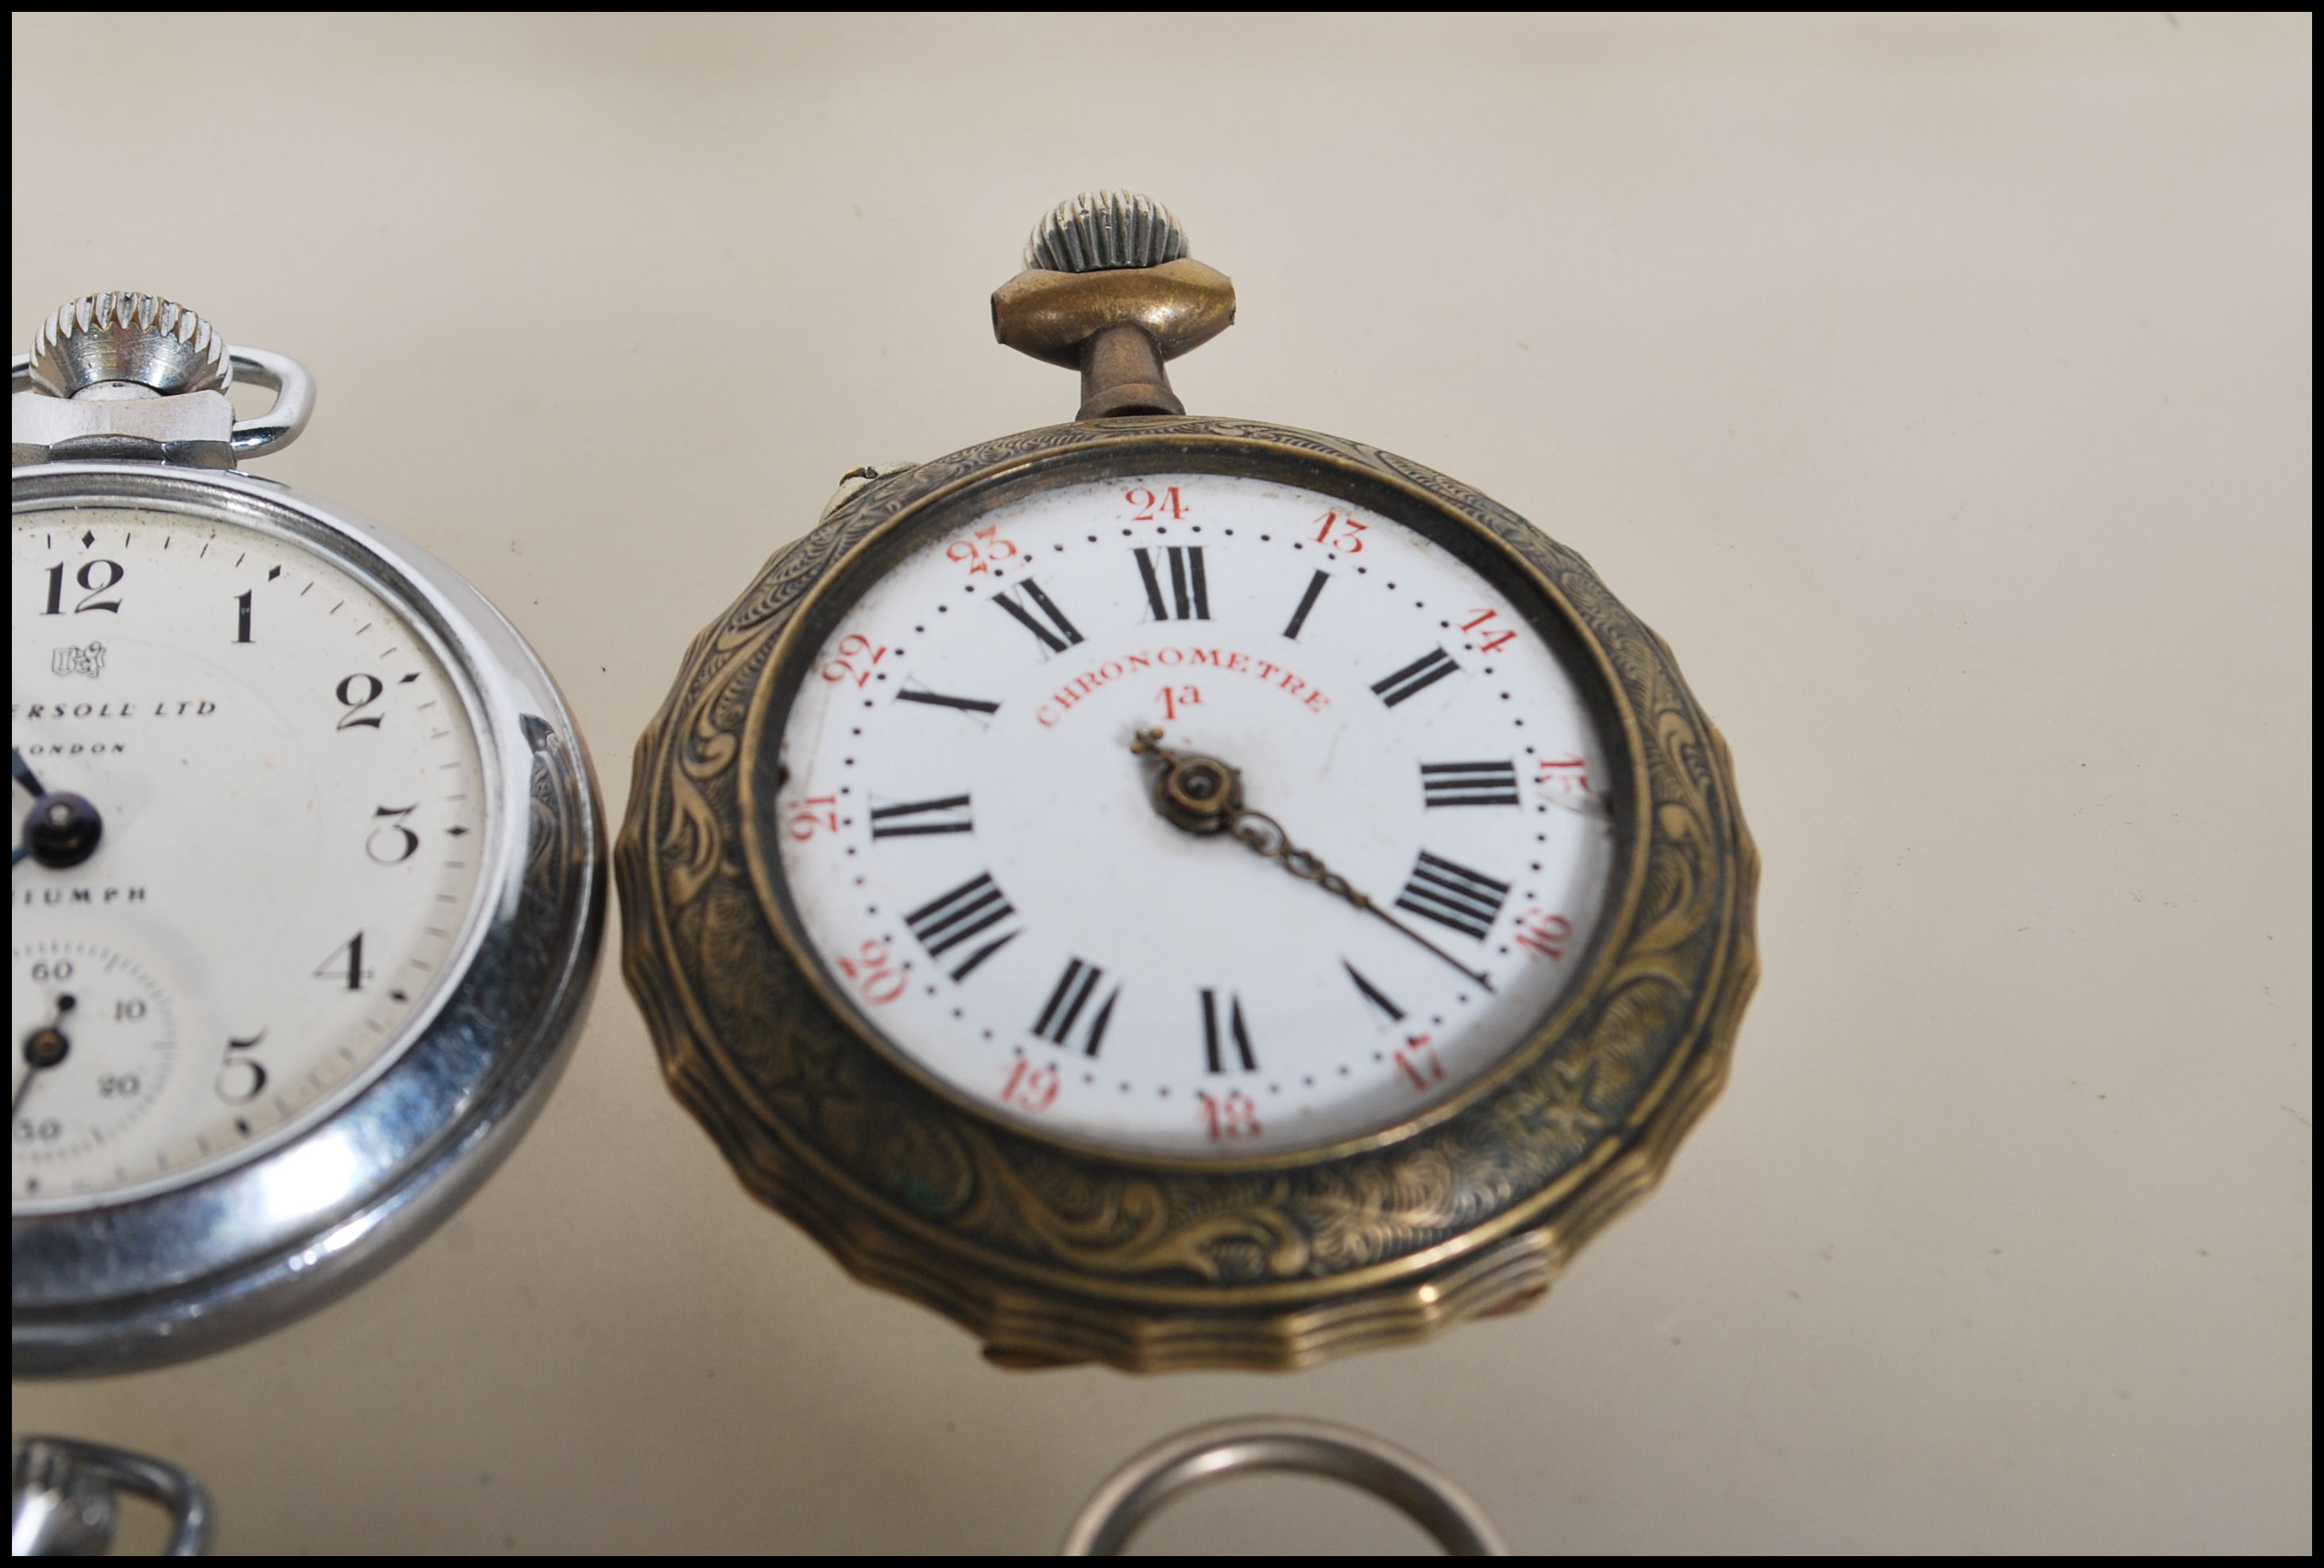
(1203,795)
(1308,866)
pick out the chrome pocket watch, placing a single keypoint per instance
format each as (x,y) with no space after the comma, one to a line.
(1178,891)
(309,886)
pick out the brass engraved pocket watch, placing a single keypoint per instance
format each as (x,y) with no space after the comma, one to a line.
(1184,892)
(309,880)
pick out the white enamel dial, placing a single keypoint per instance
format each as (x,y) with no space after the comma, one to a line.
(973,849)
(293,806)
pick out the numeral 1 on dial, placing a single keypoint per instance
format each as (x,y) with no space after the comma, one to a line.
(967,704)
(1306,603)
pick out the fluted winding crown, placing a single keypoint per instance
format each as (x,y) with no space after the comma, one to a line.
(1102,231)
(125,336)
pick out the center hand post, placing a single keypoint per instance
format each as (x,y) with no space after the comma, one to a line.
(1202,794)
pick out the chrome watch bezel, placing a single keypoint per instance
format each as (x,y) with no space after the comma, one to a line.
(246,1244)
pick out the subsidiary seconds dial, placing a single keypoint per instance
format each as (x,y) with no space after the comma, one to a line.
(1408,859)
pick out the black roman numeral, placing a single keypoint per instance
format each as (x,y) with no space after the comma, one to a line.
(967,704)
(1418,676)
(1373,994)
(1075,988)
(1057,635)
(1454,895)
(914,817)
(970,909)
(1189,590)
(1306,603)
(1470,783)
(1213,1056)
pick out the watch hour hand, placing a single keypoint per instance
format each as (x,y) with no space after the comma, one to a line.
(1203,795)
(21,772)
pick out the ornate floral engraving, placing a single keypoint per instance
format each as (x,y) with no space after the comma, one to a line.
(1056,1256)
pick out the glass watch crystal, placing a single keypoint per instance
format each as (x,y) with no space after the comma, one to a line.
(306,879)
(1183,891)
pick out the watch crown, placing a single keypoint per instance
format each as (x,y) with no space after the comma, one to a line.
(1103,231)
(140,339)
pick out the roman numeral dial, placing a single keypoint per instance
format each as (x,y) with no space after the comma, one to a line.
(1357,912)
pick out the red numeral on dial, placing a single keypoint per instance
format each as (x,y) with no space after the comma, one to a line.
(1030,1088)
(1418,1064)
(874,975)
(981,550)
(854,649)
(1230,1118)
(1348,536)
(804,817)
(1544,936)
(1147,505)
(1491,642)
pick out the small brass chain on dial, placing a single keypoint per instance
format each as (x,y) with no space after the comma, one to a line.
(1203,795)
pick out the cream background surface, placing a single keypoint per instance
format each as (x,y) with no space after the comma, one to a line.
(1941,390)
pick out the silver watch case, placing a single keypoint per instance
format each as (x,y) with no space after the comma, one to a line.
(303,1219)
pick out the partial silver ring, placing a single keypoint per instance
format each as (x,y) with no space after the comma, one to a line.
(277,427)
(1203,1454)
(61,1502)
(294,400)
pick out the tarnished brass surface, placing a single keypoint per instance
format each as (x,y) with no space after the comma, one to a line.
(1122,375)
(1181,304)
(1053,1253)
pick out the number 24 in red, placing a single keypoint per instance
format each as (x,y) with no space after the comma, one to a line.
(1149,503)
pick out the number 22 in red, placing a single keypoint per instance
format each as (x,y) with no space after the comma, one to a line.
(853,648)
